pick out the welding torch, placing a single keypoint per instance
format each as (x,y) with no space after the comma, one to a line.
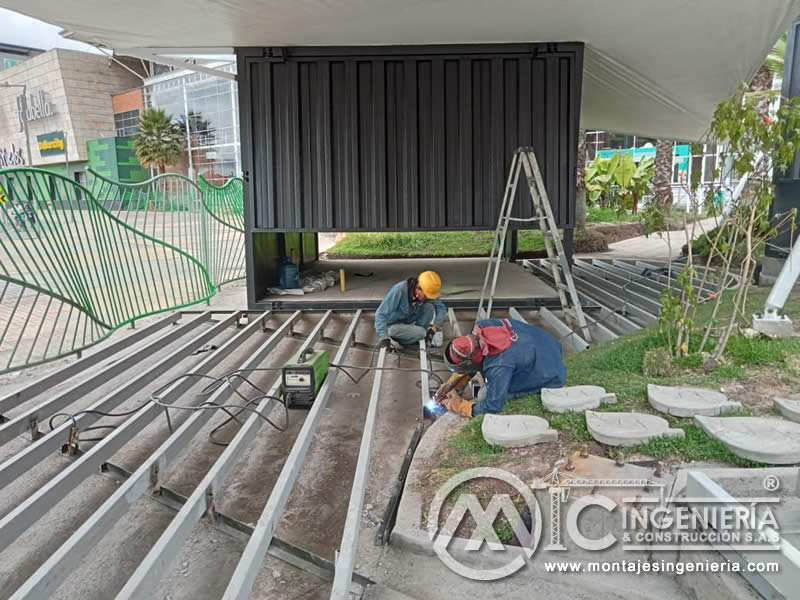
(457,382)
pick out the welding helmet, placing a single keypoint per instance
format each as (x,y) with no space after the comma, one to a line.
(463,354)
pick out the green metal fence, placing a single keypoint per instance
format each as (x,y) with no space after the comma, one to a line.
(77,263)
(204,220)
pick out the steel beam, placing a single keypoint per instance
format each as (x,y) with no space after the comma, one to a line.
(455,328)
(613,296)
(629,282)
(70,554)
(29,419)
(371,305)
(616,303)
(80,366)
(46,497)
(256,549)
(285,551)
(424,384)
(619,291)
(614,269)
(151,569)
(515,314)
(345,561)
(709,287)
(50,442)
(604,314)
(565,333)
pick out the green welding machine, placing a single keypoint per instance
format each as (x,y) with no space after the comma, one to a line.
(303,375)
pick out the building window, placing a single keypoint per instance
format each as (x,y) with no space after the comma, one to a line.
(206,108)
(127,123)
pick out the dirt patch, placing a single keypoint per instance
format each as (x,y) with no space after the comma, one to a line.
(756,393)
(529,464)
(616,232)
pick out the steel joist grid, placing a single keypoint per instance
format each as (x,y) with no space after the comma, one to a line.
(154,352)
(170,343)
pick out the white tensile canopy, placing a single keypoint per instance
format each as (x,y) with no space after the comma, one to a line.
(654,68)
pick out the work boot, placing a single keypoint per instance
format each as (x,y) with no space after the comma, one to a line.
(456,404)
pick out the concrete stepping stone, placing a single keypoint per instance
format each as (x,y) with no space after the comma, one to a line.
(770,441)
(789,408)
(689,401)
(515,431)
(576,398)
(627,429)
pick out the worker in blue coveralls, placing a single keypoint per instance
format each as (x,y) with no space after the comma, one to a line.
(411,311)
(515,359)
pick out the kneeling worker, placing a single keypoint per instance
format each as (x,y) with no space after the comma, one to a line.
(412,311)
(515,359)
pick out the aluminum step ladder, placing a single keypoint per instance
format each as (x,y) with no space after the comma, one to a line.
(525,158)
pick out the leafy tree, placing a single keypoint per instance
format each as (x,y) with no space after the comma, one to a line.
(637,179)
(160,141)
(619,182)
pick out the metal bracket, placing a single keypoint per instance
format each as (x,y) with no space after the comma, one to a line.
(33,425)
(155,487)
(211,513)
(71,447)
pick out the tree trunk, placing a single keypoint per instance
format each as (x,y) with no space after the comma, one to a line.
(662,180)
(580,182)
(761,82)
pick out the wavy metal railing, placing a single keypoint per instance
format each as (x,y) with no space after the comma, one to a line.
(71,272)
(202,219)
(225,205)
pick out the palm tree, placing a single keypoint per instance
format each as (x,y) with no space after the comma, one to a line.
(160,141)
(580,182)
(775,59)
(662,180)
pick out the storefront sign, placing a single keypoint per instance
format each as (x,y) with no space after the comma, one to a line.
(11,158)
(33,108)
(52,143)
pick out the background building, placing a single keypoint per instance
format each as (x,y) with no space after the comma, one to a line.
(207,107)
(604,144)
(57,102)
(11,55)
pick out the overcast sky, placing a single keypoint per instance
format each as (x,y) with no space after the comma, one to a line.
(26,31)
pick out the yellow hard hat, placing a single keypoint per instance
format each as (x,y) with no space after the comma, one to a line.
(430,283)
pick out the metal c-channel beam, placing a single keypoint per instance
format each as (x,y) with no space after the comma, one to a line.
(64,560)
(256,549)
(50,442)
(149,572)
(345,561)
(33,508)
(28,419)
(45,383)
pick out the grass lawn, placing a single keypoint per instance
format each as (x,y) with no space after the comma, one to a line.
(429,243)
(595,214)
(758,363)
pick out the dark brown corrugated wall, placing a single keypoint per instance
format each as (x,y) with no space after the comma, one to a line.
(404,138)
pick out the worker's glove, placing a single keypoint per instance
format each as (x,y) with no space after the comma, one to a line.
(456,404)
(434,338)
